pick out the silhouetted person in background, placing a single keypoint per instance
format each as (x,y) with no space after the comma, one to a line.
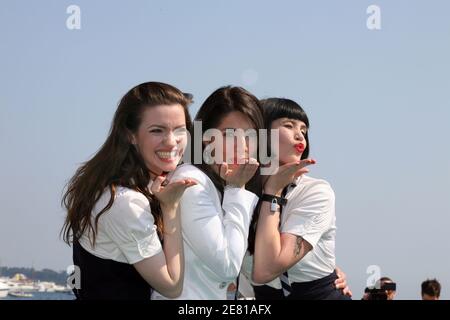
(384,289)
(431,289)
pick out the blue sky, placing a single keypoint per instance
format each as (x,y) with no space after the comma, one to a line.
(377,100)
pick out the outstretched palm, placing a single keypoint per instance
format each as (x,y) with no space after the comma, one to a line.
(286,174)
(170,195)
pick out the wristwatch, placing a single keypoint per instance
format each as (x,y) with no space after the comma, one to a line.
(275,201)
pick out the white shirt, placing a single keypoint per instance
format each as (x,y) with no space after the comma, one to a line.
(126,232)
(310,214)
(214,235)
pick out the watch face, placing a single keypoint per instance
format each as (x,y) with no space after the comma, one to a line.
(274,205)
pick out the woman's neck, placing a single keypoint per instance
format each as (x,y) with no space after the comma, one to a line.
(154,174)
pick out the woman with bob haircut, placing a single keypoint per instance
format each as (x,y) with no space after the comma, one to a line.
(294,246)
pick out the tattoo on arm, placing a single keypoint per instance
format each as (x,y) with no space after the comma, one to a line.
(298,245)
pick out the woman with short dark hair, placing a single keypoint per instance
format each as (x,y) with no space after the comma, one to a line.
(294,246)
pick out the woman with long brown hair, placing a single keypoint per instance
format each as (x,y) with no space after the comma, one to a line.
(217,211)
(118,209)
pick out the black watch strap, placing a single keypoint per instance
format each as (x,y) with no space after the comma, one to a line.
(269,197)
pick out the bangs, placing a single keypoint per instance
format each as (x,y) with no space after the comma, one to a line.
(275,108)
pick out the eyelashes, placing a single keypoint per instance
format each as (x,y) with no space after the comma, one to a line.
(290,126)
(176,132)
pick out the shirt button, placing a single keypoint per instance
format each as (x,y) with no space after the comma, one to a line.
(222,285)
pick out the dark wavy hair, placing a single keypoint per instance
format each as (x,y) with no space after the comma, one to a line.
(117,162)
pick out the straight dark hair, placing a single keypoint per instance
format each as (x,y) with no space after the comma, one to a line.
(273,109)
(276,108)
(117,163)
(217,106)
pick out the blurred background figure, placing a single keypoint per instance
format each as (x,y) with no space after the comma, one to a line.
(431,289)
(384,289)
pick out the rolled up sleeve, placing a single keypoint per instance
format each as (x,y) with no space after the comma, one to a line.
(130,225)
(310,217)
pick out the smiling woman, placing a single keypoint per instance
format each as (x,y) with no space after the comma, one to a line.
(162,137)
(117,207)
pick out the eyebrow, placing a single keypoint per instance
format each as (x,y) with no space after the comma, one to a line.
(164,127)
(234,129)
(302,126)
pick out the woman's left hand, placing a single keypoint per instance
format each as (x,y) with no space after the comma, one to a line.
(169,195)
(286,174)
(341,282)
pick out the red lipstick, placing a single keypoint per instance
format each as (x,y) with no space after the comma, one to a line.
(300,147)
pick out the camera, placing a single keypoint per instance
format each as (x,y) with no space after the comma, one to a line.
(381,293)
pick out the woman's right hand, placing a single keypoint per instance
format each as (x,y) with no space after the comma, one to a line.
(169,195)
(286,174)
(238,175)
